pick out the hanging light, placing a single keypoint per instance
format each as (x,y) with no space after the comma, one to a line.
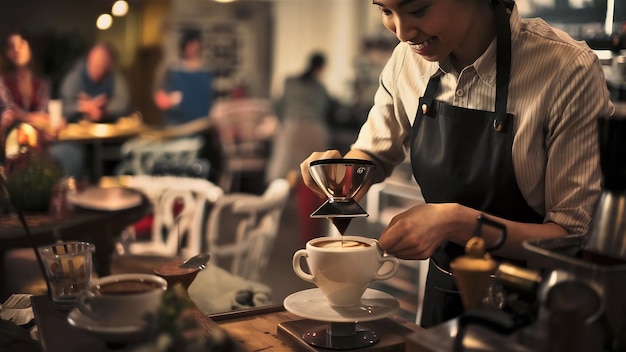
(119,8)
(104,21)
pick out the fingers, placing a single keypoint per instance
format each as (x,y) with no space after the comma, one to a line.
(404,247)
(408,239)
(304,169)
(390,240)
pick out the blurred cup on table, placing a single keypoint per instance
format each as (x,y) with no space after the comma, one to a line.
(55,112)
(123,299)
(68,269)
(343,267)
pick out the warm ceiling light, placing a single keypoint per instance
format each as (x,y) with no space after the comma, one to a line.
(104,21)
(224,1)
(120,8)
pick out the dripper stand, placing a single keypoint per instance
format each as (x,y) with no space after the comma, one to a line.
(340,336)
(343,208)
(342,328)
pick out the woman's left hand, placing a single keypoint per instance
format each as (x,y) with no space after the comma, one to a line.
(418,231)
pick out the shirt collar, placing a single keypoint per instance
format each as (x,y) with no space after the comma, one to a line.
(485,65)
(433,69)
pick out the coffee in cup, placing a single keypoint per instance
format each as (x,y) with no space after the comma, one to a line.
(123,299)
(342,268)
(341,243)
(127,287)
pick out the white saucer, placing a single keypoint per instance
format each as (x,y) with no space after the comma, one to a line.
(110,334)
(96,198)
(311,304)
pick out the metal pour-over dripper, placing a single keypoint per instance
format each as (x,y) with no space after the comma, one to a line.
(340,179)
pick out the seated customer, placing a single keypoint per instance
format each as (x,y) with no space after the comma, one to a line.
(185,92)
(93,90)
(27,91)
(7,118)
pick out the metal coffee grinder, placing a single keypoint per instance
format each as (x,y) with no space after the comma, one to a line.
(340,180)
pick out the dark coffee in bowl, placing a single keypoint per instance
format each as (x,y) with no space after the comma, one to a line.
(346,244)
(127,287)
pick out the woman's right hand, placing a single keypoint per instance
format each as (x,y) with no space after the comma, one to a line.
(304,169)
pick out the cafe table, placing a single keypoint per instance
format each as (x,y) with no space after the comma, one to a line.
(103,139)
(269,328)
(100,227)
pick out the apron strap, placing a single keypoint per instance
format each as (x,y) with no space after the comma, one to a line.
(503,71)
(503,64)
(427,99)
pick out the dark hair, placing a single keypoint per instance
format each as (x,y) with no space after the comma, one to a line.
(8,65)
(188,35)
(316,62)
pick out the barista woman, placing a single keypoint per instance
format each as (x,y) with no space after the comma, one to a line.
(498,114)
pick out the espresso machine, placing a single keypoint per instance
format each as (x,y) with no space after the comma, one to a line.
(571,294)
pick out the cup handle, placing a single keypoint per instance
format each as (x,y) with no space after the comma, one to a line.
(298,269)
(82,303)
(391,272)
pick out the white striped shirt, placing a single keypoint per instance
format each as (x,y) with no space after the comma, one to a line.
(556,92)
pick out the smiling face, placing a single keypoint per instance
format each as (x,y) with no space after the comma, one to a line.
(437,28)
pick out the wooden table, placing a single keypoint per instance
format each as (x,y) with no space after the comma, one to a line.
(103,139)
(98,227)
(257,329)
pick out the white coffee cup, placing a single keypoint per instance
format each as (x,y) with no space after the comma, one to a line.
(343,268)
(123,299)
(55,112)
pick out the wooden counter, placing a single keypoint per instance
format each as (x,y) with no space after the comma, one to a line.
(274,329)
(259,329)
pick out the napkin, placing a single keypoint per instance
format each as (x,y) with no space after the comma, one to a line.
(17,309)
(216,290)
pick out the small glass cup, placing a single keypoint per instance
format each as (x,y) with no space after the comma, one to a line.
(68,269)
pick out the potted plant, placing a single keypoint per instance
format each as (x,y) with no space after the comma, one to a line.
(31,178)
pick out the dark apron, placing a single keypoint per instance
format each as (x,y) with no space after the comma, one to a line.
(464,156)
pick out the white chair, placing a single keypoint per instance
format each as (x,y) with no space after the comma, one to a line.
(171,228)
(246,129)
(140,155)
(242,229)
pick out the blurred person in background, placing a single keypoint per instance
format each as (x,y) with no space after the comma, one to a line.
(303,110)
(28,91)
(7,117)
(95,91)
(185,88)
